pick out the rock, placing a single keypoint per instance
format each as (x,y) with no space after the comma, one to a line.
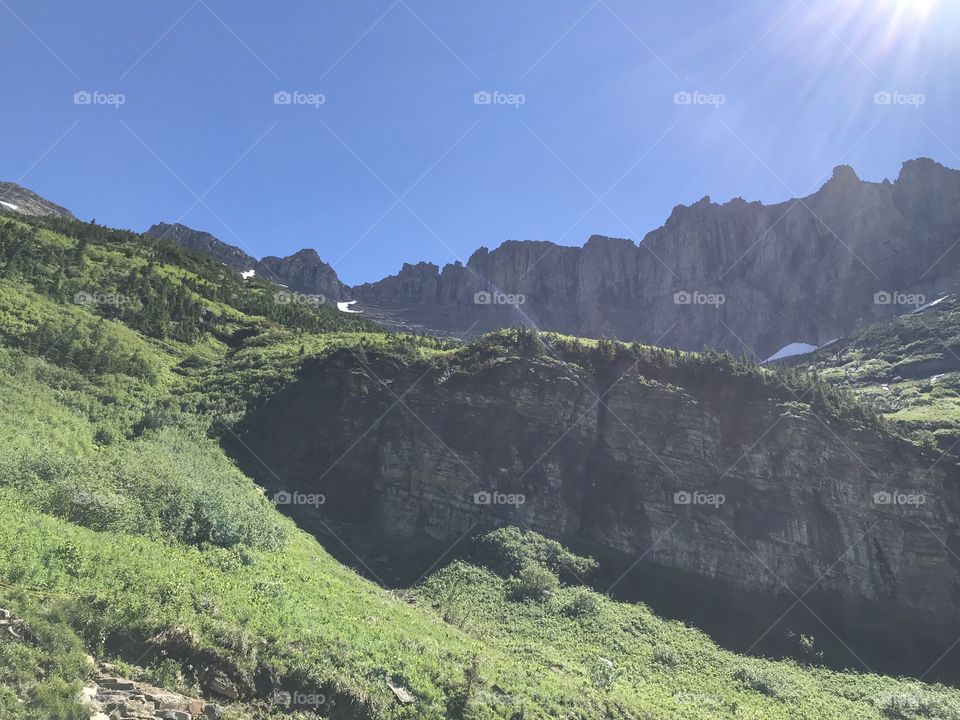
(174,715)
(213,712)
(403,696)
(116,683)
(223,687)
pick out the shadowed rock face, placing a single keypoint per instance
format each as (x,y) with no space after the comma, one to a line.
(26,202)
(304,272)
(800,490)
(806,270)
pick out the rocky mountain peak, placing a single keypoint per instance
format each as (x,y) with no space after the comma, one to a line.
(200,241)
(26,202)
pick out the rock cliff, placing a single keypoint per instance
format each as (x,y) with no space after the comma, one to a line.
(740,276)
(733,479)
(304,272)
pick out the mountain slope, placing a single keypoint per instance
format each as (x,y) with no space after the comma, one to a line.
(26,202)
(233,257)
(907,368)
(125,532)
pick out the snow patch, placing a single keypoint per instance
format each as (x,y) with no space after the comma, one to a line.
(247,274)
(345,307)
(790,350)
(9,205)
(929,305)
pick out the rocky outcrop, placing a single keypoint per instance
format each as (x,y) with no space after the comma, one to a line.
(728,479)
(740,276)
(26,202)
(304,272)
(198,241)
(108,696)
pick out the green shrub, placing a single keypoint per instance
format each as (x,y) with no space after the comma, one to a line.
(508,549)
(583,602)
(762,681)
(534,582)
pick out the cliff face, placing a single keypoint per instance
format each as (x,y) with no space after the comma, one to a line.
(806,270)
(804,496)
(304,272)
(198,241)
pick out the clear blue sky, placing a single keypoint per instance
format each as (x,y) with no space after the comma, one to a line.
(598,80)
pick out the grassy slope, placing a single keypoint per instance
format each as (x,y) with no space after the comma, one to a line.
(908,369)
(121,521)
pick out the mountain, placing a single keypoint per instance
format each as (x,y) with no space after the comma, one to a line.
(302,272)
(702,467)
(144,574)
(198,241)
(740,276)
(26,202)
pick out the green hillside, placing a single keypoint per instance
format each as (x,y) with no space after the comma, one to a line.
(126,533)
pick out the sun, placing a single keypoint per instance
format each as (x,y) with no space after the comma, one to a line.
(911,9)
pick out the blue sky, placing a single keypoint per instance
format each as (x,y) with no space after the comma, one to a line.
(399,163)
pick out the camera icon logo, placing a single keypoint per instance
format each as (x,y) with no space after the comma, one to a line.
(282,498)
(682,498)
(482,498)
(483,98)
(282,98)
(482,298)
(682,298)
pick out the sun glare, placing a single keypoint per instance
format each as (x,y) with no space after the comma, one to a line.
(910,10)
